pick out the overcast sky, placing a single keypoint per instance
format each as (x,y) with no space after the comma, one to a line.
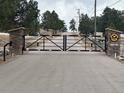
(67,9)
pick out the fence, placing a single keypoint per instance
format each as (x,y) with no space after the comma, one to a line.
(122,46)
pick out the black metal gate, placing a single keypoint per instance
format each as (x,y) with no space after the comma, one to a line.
(65,43)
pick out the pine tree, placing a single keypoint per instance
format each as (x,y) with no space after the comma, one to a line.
(72,25)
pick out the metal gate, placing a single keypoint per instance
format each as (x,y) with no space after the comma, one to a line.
(65,43)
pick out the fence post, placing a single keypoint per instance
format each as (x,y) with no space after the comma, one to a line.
(43,43)
(85,42)
(64,42)
(24,49)
(105,42)
(4,50)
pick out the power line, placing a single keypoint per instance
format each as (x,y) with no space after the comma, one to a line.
(91,12)
(114,3)
(111,5)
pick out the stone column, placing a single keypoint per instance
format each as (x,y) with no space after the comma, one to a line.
(17,39)
(112,42)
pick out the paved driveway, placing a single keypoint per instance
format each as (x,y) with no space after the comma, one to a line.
(62,72)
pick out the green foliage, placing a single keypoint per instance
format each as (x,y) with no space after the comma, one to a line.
(72,25)
(32,21)
(64,29)
(7,14)
(17,13)
(86,25)
(110,18)
(50,20)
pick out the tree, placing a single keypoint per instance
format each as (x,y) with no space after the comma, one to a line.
(50,20)
(112,18)
(32,21)
(72,25)
(64,29)
(17,13)
(46,20)
(122,18)
(86,25)
(7,14)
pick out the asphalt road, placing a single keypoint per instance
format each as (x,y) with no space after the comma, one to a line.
(62,72)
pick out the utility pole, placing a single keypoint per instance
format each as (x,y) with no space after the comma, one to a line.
(79,15)
(95,29)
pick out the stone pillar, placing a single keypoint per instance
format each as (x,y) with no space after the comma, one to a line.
(17,39)
(112,42)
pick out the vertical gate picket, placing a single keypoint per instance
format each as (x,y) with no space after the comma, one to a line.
(43,43)
(64,42)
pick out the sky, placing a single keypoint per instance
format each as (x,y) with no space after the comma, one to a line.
(67,9)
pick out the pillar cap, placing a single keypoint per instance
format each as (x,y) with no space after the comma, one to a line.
(16,29)
(113,30)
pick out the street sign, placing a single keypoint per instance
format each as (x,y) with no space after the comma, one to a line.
(114,37)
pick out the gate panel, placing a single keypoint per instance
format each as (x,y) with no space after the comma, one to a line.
(64,43)
(47,43)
